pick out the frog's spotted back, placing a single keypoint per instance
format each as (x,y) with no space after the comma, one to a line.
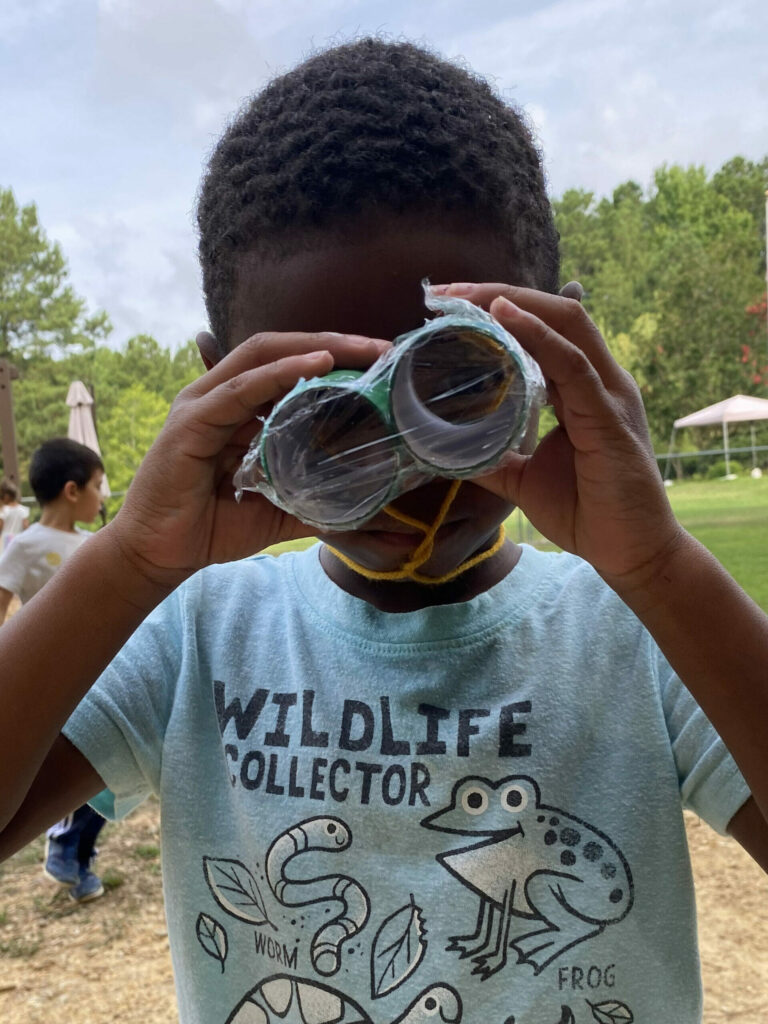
(560,878)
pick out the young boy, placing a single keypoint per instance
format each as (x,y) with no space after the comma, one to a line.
(13,516)
(65,477)
(396,801)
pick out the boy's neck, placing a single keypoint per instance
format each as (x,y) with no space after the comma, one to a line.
(405,596)
(58,516)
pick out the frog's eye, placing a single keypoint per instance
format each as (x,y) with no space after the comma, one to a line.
(430,1006)
(514,798)
(474,800)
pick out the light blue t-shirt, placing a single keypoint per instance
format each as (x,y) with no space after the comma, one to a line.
(470,813)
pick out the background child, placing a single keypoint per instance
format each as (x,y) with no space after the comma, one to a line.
(381,800)
(13,515)
(65,477)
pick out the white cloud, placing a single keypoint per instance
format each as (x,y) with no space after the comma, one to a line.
(110,107)
(139,264)
(19,16)
(627,86)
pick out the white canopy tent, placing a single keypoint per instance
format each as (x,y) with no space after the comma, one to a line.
(739,409)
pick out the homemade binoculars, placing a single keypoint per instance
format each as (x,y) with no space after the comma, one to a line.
(449,399)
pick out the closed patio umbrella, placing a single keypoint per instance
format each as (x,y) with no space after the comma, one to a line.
(81,425)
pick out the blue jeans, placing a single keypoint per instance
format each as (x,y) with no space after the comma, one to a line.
(78,831)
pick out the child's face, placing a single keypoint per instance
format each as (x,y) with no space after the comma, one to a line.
(88,500)
(373,288)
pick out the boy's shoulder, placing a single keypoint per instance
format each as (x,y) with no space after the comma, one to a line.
(37,538)
(257,573)
(23,541)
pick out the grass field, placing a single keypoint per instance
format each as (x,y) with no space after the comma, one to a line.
(729,517)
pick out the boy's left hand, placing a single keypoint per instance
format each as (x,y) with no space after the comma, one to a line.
(592,485)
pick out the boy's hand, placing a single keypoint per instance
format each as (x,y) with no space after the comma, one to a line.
(592,485)
(180,513)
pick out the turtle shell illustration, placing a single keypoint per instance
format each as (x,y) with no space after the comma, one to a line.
(282,999)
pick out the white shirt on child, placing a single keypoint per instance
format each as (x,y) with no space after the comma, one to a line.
(34,557)
(13,518)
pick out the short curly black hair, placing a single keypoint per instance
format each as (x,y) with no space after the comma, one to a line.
(370,127)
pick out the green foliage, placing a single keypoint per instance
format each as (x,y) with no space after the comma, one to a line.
(674,277)
(720,469)
(40,410)
(675,280)
(743,184)
(127,434)
(39,311)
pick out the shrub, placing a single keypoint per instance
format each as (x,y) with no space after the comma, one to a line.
(718,469)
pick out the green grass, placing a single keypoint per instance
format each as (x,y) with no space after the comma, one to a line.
(729,517)
(112,879)
(146,851)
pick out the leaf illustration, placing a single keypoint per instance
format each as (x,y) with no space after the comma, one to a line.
(235,890)
(611,1012)
(212,938)
(566,1015)
(397,949)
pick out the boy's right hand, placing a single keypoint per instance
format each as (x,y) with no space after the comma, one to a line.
(180,513)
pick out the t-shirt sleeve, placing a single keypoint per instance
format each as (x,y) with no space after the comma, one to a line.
(711,784)
(12,569)
(120,724)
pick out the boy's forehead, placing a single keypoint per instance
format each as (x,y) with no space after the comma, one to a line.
(370,287)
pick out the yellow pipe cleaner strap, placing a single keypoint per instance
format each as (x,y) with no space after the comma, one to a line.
(424,551)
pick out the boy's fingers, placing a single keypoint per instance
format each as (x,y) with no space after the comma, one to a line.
(214,417)
(579,387)
(348,351)
(563,313)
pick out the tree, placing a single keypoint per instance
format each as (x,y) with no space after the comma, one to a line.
(744,183)
(604,245)
(39,311)
(128,432)
(673,279)
(109,374)
(186,366)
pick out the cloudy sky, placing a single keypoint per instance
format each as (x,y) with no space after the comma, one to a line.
(109,107)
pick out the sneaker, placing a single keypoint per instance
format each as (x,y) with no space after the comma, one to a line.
(61,863)
(89,887)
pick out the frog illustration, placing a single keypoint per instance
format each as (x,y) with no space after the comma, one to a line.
(559,879)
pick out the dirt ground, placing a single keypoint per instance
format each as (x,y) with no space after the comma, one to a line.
(108,960)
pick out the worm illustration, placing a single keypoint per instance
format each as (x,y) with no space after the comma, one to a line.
(319,834)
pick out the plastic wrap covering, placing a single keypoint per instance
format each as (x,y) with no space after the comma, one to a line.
(449,399)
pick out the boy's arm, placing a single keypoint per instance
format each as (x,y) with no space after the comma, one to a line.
(56,646)
(592,486)
(180,514)
(5,600)
(66,780)
(750,829)
(716,639)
